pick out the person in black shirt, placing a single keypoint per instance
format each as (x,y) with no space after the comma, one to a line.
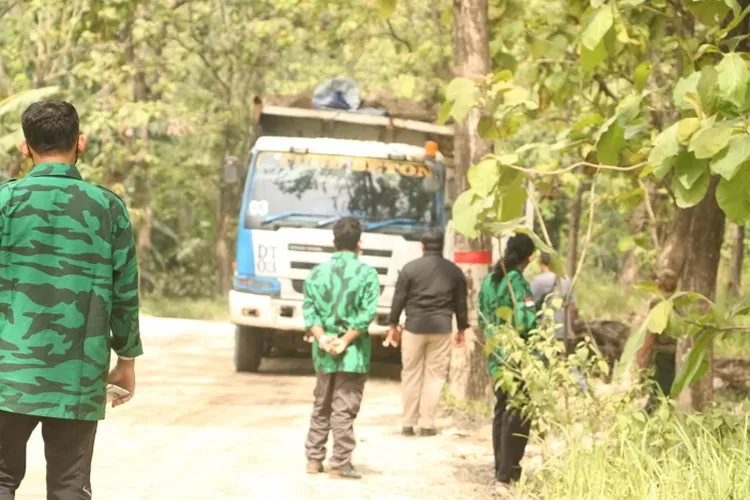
(431,289)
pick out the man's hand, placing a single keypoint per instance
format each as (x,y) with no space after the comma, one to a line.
(123,375)
(324,343)
(393,338)
(459,338)
(338,346)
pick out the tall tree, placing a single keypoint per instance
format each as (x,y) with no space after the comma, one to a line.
(469,376)
(737,260)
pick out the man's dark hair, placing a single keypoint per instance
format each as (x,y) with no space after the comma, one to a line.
(346,234)
(51,126)
(433,240)
(545,258)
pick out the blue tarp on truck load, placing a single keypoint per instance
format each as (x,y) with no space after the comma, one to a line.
(342,94)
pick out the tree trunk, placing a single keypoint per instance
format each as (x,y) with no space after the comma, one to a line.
(738,256)
(638,223)
(469,377)
(574,226)
(702,254)
(223,256)
(136,166)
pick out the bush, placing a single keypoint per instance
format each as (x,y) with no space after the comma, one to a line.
(599,444)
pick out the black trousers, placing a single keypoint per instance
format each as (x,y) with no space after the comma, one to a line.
(68,448)
(665,368)
(510,433)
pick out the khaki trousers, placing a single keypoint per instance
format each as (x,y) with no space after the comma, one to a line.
(425,358)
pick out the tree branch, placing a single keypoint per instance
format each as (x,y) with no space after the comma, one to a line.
(396,37)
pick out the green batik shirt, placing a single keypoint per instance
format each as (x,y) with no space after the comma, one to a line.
(68,293)
(493,296)
(341,295)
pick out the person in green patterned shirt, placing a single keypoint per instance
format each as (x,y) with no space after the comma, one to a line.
(341,298)
(68,277)
(506,286)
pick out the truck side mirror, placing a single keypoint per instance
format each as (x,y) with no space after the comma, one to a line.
(231,173)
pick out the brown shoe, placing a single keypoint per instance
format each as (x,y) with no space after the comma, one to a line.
(344,472)
(314,467)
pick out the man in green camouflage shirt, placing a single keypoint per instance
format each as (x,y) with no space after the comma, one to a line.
(341,298)
(68,276)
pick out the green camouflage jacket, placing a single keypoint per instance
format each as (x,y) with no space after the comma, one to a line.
(341,295)
(68,276)
(494,296)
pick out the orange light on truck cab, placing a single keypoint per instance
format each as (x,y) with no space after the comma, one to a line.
(430,148)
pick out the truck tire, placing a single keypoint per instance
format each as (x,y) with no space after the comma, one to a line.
(248,348)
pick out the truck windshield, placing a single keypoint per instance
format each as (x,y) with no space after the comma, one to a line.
(309,189)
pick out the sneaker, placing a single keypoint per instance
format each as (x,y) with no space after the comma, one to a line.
(314,467)
(427,432)
(344,472)
(407,431)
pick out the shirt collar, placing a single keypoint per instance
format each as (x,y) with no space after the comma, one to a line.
(55,170)
(345,255)
(428,253)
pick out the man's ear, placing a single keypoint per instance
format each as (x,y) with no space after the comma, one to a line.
(25,149)
(81,144)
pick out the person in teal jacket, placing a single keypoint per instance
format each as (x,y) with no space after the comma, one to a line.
(510,429)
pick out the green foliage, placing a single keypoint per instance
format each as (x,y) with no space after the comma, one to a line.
(165,91)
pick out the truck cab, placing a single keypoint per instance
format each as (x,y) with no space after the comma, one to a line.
(308,169)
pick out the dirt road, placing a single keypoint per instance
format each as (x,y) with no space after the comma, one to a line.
(198,430)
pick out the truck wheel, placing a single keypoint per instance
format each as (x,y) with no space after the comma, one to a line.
(248,348)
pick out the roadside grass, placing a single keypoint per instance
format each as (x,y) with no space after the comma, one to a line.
(693,456)
(215,309)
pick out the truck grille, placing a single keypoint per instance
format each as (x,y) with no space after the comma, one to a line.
(369,252)
(309,265)
(299,286)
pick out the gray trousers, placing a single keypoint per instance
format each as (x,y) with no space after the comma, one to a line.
(338,397)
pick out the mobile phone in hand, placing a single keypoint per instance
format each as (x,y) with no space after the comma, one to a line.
(115,392)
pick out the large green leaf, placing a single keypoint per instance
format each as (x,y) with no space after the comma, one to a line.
(483,176)
(686,128)
(729,161)
(688,169)
(513,198)
(708,89)
(687,198)
(733,78)
(707,142)
(465,214)
(598,25)
(733,196)
(610,141)
(666,146)
(462,92)
(632,346)
(590,59)
(688,84)
(694,366)
(640,76)
(658,317)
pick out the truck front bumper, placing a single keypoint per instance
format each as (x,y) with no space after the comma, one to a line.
(262,311)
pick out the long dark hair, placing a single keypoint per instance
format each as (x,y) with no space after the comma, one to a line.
(518,248)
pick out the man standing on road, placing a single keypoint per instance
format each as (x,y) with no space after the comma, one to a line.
(544,288)
(341,299)
(431,289)
(68,276)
